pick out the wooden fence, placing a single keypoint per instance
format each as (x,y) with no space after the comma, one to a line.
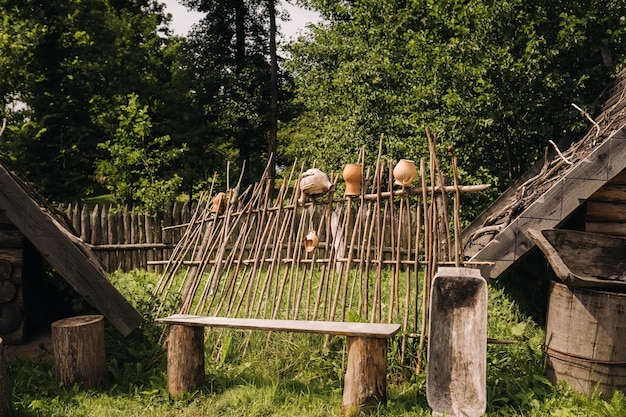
(124,239)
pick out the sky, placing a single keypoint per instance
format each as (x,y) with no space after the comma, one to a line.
(183,19)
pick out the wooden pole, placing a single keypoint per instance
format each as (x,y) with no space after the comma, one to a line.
(185,359)
(79,354)
(366,375)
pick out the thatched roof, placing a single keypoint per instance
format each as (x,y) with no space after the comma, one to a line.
(548,194)
(67,253)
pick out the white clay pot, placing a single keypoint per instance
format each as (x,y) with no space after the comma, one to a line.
(313,181)
(352,175)
(405,172)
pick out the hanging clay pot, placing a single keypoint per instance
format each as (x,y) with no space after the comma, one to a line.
(313,181)
(352,175)
(218,203)
(311,241)
(405,172)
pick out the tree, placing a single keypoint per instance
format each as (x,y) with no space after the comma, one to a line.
(234,62)
(493,78)
(139,167)
(63,64)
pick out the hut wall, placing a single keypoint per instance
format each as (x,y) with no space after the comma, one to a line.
(11,282)
(606,208)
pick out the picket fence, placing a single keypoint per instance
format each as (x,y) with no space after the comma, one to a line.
(124,239)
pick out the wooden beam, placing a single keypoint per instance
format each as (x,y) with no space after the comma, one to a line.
(66,253)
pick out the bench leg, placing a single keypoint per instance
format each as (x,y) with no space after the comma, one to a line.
(365,383)
(185,359)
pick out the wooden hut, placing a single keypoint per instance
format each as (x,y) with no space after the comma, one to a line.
(579,191)
(26,220)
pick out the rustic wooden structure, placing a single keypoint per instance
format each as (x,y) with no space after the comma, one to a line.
(67,253)
(581,188)
(6,403)
(585,344)
(366,374)
(373,258)
(11,282)
(124,239)
(79,352)
(582,259)
(456,378)
(583,177)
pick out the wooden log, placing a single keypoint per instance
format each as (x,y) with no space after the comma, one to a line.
(5,269)
(185,359)
(5,388)
(600,211)
(606,228)
(366,374)
(615,193)
(78,350)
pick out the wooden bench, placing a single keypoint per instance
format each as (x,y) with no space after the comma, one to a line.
(366,373)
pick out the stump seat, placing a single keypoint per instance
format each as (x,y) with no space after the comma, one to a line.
(366,372)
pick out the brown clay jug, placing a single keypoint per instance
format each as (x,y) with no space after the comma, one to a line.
(352,175)
(405,172)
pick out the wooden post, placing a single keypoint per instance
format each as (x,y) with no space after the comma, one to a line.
(79,354)
(5,387)
(366,374)
(185,359)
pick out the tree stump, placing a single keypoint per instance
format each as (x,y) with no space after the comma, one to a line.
(5,387)
(79,353)
(366,374)
(185,359)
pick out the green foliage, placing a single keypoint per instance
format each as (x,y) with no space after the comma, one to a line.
(136,170)
(64,64)
(493,78)
(287,375)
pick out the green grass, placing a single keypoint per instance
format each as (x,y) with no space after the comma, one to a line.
(248,374)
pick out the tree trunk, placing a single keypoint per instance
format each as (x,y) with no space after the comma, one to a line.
(79,353)
(185,359)
(366,374)
(273,96)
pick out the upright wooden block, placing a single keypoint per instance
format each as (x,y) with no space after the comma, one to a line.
(79,352)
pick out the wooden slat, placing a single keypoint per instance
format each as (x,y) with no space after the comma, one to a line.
(376,330)
(615,193)
(67,254)
(605,212)
(615,229)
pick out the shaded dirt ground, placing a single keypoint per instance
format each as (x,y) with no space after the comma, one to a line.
(36,346)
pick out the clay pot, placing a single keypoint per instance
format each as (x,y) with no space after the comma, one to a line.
(352,175)
(218,203)
(311,241)
(405,172)
(313,181)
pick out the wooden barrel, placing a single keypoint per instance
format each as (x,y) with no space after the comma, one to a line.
(585,344)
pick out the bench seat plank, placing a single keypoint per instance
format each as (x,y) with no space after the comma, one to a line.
(376,330)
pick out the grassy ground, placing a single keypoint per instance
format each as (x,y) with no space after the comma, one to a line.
(291,375)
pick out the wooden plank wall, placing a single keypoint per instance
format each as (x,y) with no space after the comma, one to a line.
(606,208)
(123,239)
